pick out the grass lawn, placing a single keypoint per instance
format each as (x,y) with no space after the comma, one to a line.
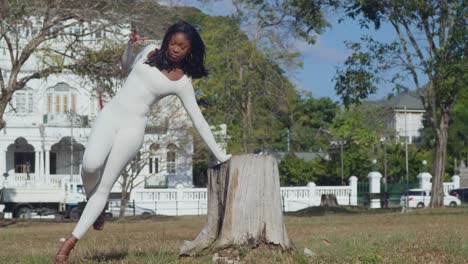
(342,235)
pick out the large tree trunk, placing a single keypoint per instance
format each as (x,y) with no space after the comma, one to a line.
(437,196)
(4,99)
(244,206)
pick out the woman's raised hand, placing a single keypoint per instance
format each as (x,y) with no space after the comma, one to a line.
(134,37)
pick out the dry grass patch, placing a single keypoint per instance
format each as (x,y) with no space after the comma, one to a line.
(420,236)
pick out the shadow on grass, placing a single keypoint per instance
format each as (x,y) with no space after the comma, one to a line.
(155,218)
(350,210)
(114,254)
(5,223)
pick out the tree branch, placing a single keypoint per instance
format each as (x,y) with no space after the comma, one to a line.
(427,105)
(10,47)
(2,83)
(42,74)
(416,47)
(429,38)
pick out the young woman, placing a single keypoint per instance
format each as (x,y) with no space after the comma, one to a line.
(118,132)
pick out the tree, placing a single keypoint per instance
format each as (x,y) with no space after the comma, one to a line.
(23,40)
(311,121)
(430,45)
(295,171)
(223,96)
(256,59)
(359,129)
(50,34)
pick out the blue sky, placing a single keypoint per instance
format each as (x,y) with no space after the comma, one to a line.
(322,59)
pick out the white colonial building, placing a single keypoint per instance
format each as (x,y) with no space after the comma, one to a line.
(408,113)
(49,121)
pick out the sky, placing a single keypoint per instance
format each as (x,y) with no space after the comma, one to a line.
(321,59)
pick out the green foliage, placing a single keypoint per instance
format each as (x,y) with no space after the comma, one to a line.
(295,171)
(246,89)
(102,67)
(457,146)
(361,72)
(310,122)
(298,17)
(431,45)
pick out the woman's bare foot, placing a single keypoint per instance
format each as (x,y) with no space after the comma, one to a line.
(64,251)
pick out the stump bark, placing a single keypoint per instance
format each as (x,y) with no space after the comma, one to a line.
(244,206)
(328,200)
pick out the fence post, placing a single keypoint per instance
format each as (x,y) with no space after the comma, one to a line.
(456,181)
(374,188)
(425,180)
(133,207)
(353,184)
(179,196)
(312,196)
(284,205)
(155,207)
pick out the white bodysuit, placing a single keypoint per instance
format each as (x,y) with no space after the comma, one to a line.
(118,132)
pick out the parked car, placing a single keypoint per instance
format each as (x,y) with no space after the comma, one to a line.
(114,211)
(419,198)
(461,194)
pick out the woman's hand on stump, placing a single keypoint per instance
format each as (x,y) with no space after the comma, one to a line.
(224,158)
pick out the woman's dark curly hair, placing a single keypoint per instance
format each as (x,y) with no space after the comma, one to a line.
(193,63)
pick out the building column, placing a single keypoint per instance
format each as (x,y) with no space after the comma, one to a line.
(41,163)
(47,162)
(2,161)
(36,163)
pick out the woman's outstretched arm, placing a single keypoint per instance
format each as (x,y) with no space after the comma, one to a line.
(129,58)
(187,97)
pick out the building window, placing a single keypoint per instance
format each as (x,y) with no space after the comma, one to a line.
(49,103)
(65,103)
(30,102)
(153,165)
(73,103)
(24,102)
(21,102)
(57,103)
(171,159)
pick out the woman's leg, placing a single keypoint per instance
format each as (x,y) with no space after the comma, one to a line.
(96,151)
(126,144)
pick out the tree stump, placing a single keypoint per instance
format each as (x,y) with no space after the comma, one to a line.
(244,206)
(328,200)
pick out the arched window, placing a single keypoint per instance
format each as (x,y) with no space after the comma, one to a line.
(153,159)
(61,98)
(24,101)
(171,159)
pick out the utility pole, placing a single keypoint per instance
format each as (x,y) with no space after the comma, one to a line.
(406,150)
(342,166)
(385,162)
(71,146)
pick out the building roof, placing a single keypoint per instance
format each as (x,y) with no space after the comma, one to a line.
(306,156)
(409,99)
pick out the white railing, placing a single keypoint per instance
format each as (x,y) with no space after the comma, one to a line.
(448,186)
(31,180)
(193,201)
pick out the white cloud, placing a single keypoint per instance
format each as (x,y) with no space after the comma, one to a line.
(320,50)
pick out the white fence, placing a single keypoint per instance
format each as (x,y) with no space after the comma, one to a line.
(193,201)
(31,180)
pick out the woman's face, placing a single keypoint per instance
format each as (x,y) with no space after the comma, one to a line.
(179,47)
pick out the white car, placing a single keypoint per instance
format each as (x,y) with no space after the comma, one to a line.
(419,198)
(114,211)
